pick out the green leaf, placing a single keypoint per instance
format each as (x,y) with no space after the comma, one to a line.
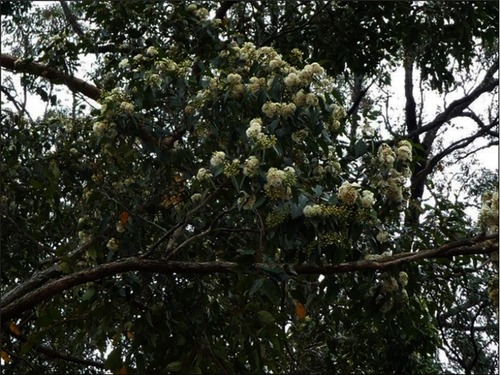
(360,148)
(89,293)
(114,360)
(265,317)
(174,366)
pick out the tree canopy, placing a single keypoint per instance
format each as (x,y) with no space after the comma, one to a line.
(247,187)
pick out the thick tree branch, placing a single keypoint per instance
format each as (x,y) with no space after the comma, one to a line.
(224,7)
(79,86)
(52,75)
(477,245)
(456,107)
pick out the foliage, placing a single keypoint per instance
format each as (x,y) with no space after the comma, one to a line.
(180,225)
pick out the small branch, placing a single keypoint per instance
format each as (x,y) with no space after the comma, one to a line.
(462,143)
(476,245)
(52,353)
(20,108)
(71,19)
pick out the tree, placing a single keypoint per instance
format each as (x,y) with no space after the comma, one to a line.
(224,194)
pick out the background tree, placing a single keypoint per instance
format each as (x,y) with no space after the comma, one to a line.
(175,215)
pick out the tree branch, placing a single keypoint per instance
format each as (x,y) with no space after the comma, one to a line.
(462,143)
(79,86)
(52,75)
(71,19)
(476,245)
(224,7)
(52,353)
(456,107)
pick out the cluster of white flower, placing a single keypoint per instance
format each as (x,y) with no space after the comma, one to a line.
(113,244)
(404,151)
(254,133)
(250,167)
(271,109)
(127,107)
(313,210)
(218,158)
(348,193)
(385,155)
(152,51)
(203,174)
(488,216)
(201,13)
(275,177)
(235,86)
(166,65)
(100,128)
(367,199)
(153,79)
(279,182)
(255,84)
(302,99)
(383,236)
(124,64)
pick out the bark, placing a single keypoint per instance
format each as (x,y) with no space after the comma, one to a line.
(476,245)
(52,75)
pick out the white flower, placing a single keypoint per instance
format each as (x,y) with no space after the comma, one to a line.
(218,158)
(152,51)
(292,79)
(403,278)
(312,100)
(348,193)
(138,57)
(203,174)
(367,199)
(255,129)
(124,63)
(100,128)
(233,78)
(382,236)
(313,210)
(403,151)
(288,109)
(127,107)
(112,244)
(120,228)
(275,177)
(270,109)
(386,155)
(196,197)
(317,69)
(250,168)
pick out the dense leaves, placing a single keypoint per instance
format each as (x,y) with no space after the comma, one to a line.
(176,213)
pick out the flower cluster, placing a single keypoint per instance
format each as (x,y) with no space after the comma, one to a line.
(203,174)
(279,182)
(254,133)
(385,155)
(218,158)
(488,216)
(250,166)
(271,109)
(404,151)
(348,193)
